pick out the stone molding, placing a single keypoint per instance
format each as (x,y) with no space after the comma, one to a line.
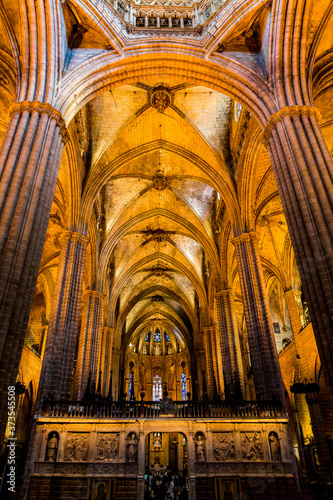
(288,111)
(41,108)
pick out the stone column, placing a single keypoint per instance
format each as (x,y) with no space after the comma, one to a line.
(191,461)
(264,358)
(90,341)
(295,320)
(115,368)
(303,169)
(209,361)
(319,432)
(56,375)
(216,341)
(312,399)
(230,343)
(141,464)
(29,161)
(107,357)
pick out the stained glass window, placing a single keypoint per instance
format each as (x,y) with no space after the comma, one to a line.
(157,440)
(147,338)
(157,336)
(184,386)
(167,337)
(130,387)
(157,388)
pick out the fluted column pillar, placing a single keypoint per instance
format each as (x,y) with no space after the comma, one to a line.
(295,320)
(116,373)
(209,361)
(90,341)
(216,338)
(264,358)
(303,169)
(29,163)
(230,343)
(312,399)
(56,375)
(319,432)
(107,334)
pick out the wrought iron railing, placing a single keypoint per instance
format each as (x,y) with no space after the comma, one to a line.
(164,408)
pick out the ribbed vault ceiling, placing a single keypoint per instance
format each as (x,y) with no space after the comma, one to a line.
(155,206)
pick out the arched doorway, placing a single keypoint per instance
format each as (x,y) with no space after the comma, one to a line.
(166,465)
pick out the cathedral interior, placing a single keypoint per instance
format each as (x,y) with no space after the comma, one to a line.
(166,249)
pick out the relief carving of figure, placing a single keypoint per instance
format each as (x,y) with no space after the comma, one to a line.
(224,446)
(132,448)
(76,448)
(200,449)
(52,448)
(252,446)
(107,447)
(274,446)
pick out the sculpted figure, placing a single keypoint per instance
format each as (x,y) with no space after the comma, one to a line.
(200,449)
(52,448)
(274,447)
(132,448)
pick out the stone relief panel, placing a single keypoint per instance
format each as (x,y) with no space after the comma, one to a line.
(76,447)
(107,446)
(251,446)
(223,446)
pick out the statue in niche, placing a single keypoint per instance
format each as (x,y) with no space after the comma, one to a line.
(200,449)
(172,376)
(145,349)
(157,351)
(252,446)
(52,448)
(274,446)
(132,448)
(142,377)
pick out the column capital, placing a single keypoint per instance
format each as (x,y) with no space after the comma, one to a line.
(108,329)
(245,237)
(223,293)
(87,294)
(41,108)
(73,236)
(287,111)
(293,292)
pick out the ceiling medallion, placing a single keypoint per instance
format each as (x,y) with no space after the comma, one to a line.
(161,97)
(160,182)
